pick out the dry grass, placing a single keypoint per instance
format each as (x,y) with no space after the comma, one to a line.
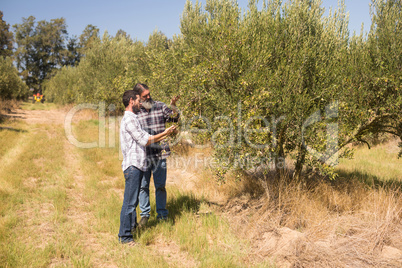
(7,106)
(342,223)
(354,221)
(80,114)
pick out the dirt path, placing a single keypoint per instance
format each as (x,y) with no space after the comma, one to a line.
(78,217)
(38,116)
(78,212)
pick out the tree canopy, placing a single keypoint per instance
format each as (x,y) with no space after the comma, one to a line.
(6,38)
(40,47)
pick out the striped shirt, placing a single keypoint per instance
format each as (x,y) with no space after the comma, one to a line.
(133,140)
(154,122)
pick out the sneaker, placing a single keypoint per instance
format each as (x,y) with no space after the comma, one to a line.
(128,242)
(143,222)
(163,218)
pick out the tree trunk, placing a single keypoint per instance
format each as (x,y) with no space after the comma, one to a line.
(299,163)
(280,164)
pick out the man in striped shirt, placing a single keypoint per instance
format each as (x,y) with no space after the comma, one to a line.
(153,116)
(133,140)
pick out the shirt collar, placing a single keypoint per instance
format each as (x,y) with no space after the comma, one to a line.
(130,113)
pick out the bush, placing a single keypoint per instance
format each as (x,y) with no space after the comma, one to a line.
(11,85)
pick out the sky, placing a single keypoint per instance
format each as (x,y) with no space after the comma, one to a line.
(138,18)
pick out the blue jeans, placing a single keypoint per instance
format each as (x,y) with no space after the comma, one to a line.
(128,215)
(158,169)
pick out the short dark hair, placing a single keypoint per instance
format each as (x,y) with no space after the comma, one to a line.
(128,95)
(139,88)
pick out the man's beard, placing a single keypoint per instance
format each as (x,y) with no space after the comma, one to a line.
(148,104)
(136,109)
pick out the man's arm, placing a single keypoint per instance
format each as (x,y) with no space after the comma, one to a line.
(133,127)
(173,104)
(142,137)
(172,114)
(160,136)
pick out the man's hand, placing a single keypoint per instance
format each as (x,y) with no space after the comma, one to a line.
(174,99)
(161,136)
(170,130)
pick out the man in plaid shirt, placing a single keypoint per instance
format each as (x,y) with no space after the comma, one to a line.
(153,116)
(133,140)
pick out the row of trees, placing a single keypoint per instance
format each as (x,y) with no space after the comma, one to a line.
(261,84)
(44,47)
(38,49)
(11,85)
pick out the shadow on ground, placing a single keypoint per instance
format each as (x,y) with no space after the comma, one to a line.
(5,118)
(369,180)
(10,116)
(12,129)
(176,205)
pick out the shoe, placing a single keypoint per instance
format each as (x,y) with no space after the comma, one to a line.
(143,222)
(162,218)
(129,243)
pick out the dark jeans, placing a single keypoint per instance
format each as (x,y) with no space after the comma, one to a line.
(128,215)
(158,169)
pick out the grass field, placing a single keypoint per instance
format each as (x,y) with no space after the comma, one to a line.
(60,207)
(379,163)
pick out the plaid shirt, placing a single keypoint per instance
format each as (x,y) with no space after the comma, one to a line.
(133,140)
(154,122)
